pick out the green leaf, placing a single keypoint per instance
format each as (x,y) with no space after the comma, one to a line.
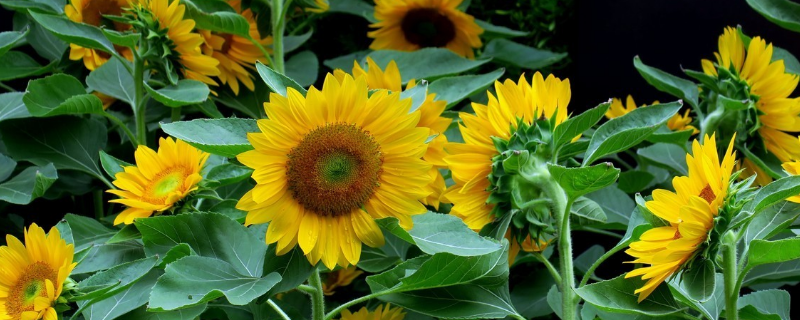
(711,308)
(616,295)
(457,88)
(104,256)
(185,93)
(773,273)
(768,302)
(113,79)
(665,82)
(699,281)
(354,7)
(9,38)
(292,267)
(784,13)
(773,193)
(182,314)
(81,34)
(196,280)
(789,60)
(616,204)
(209,235)
(123,302)
(434,233)
(665,135)
(45,140)
(60,94)
(574,126)
(276,81)
(226,174)
(376,260)
(530,295)
(112,165)
(427,63)
(226,137)
(124,39)
(635,180)
(303,67)
(43,5)
(764,252)
(28,185)
(12,107)
(7,166)
(417,94)
(579,181)
(621,133)
(104,284)
(554,301)
(468,301)
(519,55)
(586,212)
(491,31)
(585,260)
(45,43)
(291,43)
(15,65)
(84,232)
(217,16)
(666,155)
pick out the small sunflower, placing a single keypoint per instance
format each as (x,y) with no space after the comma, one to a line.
(91,12)
(340,278)
(32,275)
(770,83)
(690,212)
(236,54)
(678,122)
(408,25)
(185,43)
(382,312)
(159,179)
(328,164)
(430,110)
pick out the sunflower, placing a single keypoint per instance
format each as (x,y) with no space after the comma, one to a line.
(328,164)
(793,168)
(158,180)
(770,83)
(185,43)
(678,122)
(527,245)
(471,162)
(382,312)
(408,25)
(91,12)
(431,111)
(340,278)
(236,54)
(32,276)
(690,212)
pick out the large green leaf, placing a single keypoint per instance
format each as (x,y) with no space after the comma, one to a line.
(377,260)
(457,88)
(185,93)
(434,233)
(699,281)
(427,63)
(90,238)
(774,273)
(520,55)
(226,137)
(668,83)
(784,13)
(123,302)
(768,302)
(621,133)
(113,79)
(112,165)
(15,65)
(45,43)
(763,251)
(181,314)
(615,203)
(217,16)
(293,268)
(354,7)
(9,38)
(491,31)
(209,235)
(276,81)
(303,67)
(773,193)
(571,128)
(666,155)
(28,185)
(530,295)
(616,295)
(107,283)
(585,212)
(83,232)
(60,94)
(195,280)
(579,181)
(81,34)
(12,107)
(7,166)
(68,142)
(710,308)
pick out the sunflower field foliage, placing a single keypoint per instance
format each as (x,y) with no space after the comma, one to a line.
(438,171)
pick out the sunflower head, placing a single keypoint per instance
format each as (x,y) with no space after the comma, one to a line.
(159,180)
(694,217)
(382,312)
(91,12)
(328,164)
(409,25)
(32,275)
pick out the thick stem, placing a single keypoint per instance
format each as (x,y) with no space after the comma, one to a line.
(278,26)
(729,270)
(561,205)
(317,297)
(139,107)
(175,115)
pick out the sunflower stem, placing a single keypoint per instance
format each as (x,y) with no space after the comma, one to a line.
(98,204)
(175,115)
(122,126)
(139,107)
(278,26)
(597,263)
(729,270)
(317,297)
(550,268)
(278,310)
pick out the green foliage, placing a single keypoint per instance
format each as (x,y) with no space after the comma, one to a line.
(225,137)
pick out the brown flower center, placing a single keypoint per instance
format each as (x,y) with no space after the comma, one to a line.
(427,27)
(334,169)
(29,286)
(93,11)
(708,194)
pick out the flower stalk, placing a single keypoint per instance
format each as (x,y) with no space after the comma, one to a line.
(139,107)
(729,272)
(278,25)
(317,297)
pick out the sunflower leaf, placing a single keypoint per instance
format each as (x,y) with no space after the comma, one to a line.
(226,137)
(434,233)
(186,92)
(15,65)
(276,81)
(710,308)
(577,125)
(773,193)
(12,107)
(28,185)
(113,79)
(303,67)
(9,38)
(520,55)
(764,252)
(121,303)
(457,88)
(766,304)
(112,281)
(580,181)
(699,281)
(60,94)
(217,16)
(665,82)
(616,295)
(427,63)
(81,34)
(112,165)
(781,12)
(354,7)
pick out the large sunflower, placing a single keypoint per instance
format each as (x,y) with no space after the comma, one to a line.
(236,54)
(408,25)
(430,110)
(690,212)
(678,122)
(382,312)
(185,43)
(328,164)
(769,81)
(159,179)
(91,12)
(32,275)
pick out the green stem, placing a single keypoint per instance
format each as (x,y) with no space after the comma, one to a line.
(317,297)
(98,204)
(263,50)
(139,107)
(278,310)
(175,115)
(353,302)
(307,289)
(550,267)
(603,232)
(729,270)
(278,26)
(5,86)
(561,206)
(122,125)
(597,263)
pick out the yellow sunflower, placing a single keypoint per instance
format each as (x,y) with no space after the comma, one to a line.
(340,278)
(793,168)
(471,162)
(328,164)
(91,12)
(32,275)
(382,312)
(408,25)
(236,54)
(159,179)
(186,43)
(431,111)
(769,81)
(678,122)
(690,211)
